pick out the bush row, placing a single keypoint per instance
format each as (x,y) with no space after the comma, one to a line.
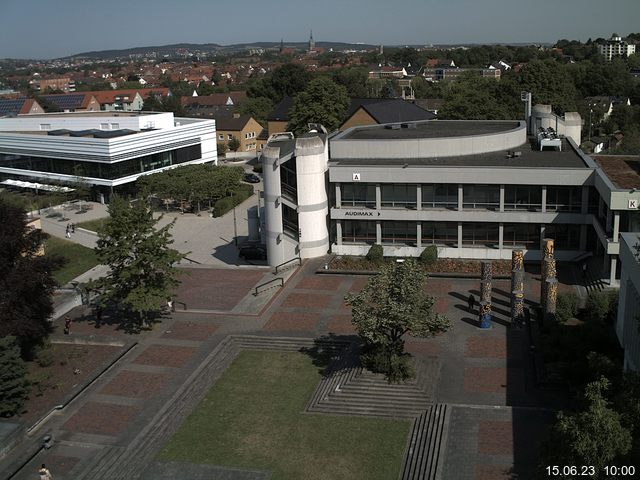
(225,204)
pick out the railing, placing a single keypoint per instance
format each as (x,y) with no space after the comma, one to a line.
(257,289)
(279,267)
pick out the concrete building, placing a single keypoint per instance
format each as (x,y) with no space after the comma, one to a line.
(615,46)
(109,150)
(629,301)
(475,189)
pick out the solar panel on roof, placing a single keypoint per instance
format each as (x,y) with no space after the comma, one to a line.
(11,107)
(65,101)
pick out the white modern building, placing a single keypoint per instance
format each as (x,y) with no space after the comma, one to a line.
(628,320)
(109,150)
(615,46)
(475,189)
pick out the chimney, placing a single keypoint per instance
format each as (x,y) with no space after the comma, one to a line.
(236,115)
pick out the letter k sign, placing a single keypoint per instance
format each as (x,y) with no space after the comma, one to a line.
(633,204)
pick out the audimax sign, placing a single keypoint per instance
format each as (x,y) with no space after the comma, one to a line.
(360,213)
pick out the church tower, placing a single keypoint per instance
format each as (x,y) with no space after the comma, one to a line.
(312,43)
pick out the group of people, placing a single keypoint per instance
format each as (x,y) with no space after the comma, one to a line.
(71,228)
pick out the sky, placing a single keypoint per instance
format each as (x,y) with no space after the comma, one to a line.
(48,29)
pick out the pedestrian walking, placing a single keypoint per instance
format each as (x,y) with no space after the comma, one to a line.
(44,473)
(584,272)
(170,306)
(68,231)
(67,325)
(471,301)
(73,228)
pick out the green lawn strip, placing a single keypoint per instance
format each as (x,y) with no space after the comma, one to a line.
(252,418)
(79,258)
(92,225)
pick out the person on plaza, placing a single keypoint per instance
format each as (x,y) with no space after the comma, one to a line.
(170,306)
(44,473)
(68,231)
(73,228)
(67,325)
(471,302)
(584,271)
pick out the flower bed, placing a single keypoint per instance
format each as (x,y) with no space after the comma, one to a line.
(442,265)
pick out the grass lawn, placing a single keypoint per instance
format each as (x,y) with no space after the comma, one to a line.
(79,258)
(92,225)
(252,418)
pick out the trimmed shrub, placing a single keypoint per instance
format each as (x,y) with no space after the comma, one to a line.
(225,204)
(601,306)
(429,255)
(376,253)
(567,306)
(257,168)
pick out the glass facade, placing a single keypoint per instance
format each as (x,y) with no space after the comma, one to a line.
(523,197)
(290,221)
(358,195)
(567,237)
(399,232)
(481,234)
(108,171)
(440,196)
(401,195)
(481,196)
(354,231)
(521,235)
(289,180)
(564,199)
(440,233)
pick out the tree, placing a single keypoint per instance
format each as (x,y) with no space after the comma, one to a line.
(258,108)
(287,80)
(391,305)
(323,101)
(222,149)
(142,265)
(233,144)
(354,79)
(550,84)
(13,383)
(26,283)
(594,436)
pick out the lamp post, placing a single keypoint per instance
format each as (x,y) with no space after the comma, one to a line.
(235,228)
(590,113)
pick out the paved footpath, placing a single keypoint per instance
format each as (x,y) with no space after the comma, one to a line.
(485,376)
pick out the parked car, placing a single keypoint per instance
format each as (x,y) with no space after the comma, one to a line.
(253,252)
(251,178)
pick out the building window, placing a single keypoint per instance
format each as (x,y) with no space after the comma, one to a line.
(290,221)
(483,234)
(567,237)
(523,197)
(289,180)
(481,197)
(440,233)
(440,196)
(564,199)
(104,126)
(229,137)
(115,126)
(358,195)
(521,235)
(355,231)
(221,136)
(399,195)
(45,126)
(399,232)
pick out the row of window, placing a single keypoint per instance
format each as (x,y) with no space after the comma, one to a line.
(515,235)
(109,171)
(516,197)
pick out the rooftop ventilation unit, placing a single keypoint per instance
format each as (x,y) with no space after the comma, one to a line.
(408,125)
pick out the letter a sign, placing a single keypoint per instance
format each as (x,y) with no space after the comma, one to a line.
(355,177)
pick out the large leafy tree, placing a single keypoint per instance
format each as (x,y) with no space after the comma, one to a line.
(258,108)
(593,436)
(142,264)
(391,305)
(285,81)
(26,284)
(13,384)
(323,101)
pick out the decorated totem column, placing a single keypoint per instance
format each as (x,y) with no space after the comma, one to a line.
(552,296)
(486,275)
(517,287)
(547,262)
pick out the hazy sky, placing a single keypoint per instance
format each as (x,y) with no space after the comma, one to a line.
(49,29)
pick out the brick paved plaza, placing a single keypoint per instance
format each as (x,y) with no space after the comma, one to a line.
(497,415)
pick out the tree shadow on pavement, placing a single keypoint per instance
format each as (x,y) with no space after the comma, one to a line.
(328,351)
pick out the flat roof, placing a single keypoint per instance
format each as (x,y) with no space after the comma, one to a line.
(530,157)
(622,170)
(429,129)
(101,113)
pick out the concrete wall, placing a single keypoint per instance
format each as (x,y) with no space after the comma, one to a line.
(430,147)
(629,302)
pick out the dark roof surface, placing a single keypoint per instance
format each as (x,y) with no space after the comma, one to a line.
(69,100)
(281,111)
(11,107)
(529,158)
(432,129)
(232,123)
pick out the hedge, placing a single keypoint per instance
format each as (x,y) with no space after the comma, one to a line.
(225,204)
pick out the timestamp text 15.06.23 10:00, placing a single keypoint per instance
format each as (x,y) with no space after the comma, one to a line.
(590,471)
